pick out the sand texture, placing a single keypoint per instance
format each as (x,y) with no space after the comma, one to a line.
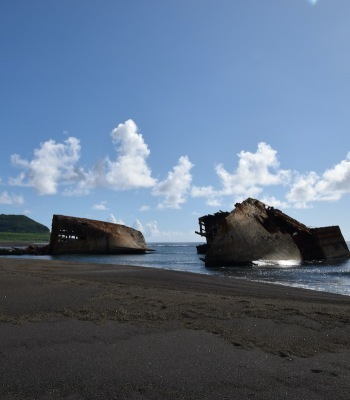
(91,331)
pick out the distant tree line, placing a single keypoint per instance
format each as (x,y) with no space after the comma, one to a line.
(21,224)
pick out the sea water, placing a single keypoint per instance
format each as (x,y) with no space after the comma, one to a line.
(325,276)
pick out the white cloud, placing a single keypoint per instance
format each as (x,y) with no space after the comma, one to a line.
(130,170)
(152,228)
(214,202)
(152,233)
(100,207)
(54,169)
(52,163)
(203,191)
(313,2)
(330,186)
(213,196)
(257,171)
(273,202)
(149,229)
(114,220)
(254,171)
(175,187)
(55,163)
(138,226)
(6,198)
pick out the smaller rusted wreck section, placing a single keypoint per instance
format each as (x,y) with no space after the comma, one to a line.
(71,235)
(254,231)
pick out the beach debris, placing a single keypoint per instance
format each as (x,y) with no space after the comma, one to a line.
(253,231)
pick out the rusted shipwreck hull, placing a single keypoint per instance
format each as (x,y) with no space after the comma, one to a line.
(71,235)
(254,231)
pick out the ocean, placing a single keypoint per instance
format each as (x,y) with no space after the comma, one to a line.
(331,277)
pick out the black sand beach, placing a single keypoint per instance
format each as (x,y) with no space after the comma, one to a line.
(78,331)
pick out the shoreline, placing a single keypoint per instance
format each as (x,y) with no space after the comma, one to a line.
(35,257)
(235,285)
(122,332)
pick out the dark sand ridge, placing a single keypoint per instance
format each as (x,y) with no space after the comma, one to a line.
(91,331)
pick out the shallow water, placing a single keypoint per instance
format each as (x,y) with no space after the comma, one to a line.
(323,276)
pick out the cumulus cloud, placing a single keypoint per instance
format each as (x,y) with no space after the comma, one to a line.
(54,169)
(130,170)
(149,229)
(138,226)
(330,186)
(276,203)
(174,189)
(258,171)
(52,163)
(6,198)
(152,228)
(254,171)
(55,163)
(213,196)
(100,207)
(114,220)
(152,233)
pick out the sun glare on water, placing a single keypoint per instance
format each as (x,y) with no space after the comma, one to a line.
(275,263)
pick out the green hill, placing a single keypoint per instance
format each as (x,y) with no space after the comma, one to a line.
(21,224)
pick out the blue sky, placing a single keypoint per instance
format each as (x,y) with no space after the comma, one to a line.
(153,113)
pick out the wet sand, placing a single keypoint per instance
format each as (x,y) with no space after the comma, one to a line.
(92,331)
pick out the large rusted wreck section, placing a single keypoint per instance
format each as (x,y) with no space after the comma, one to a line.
(254,231)
(71,235)
(208,227)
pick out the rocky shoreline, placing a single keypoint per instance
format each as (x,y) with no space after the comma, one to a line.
(23,248)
